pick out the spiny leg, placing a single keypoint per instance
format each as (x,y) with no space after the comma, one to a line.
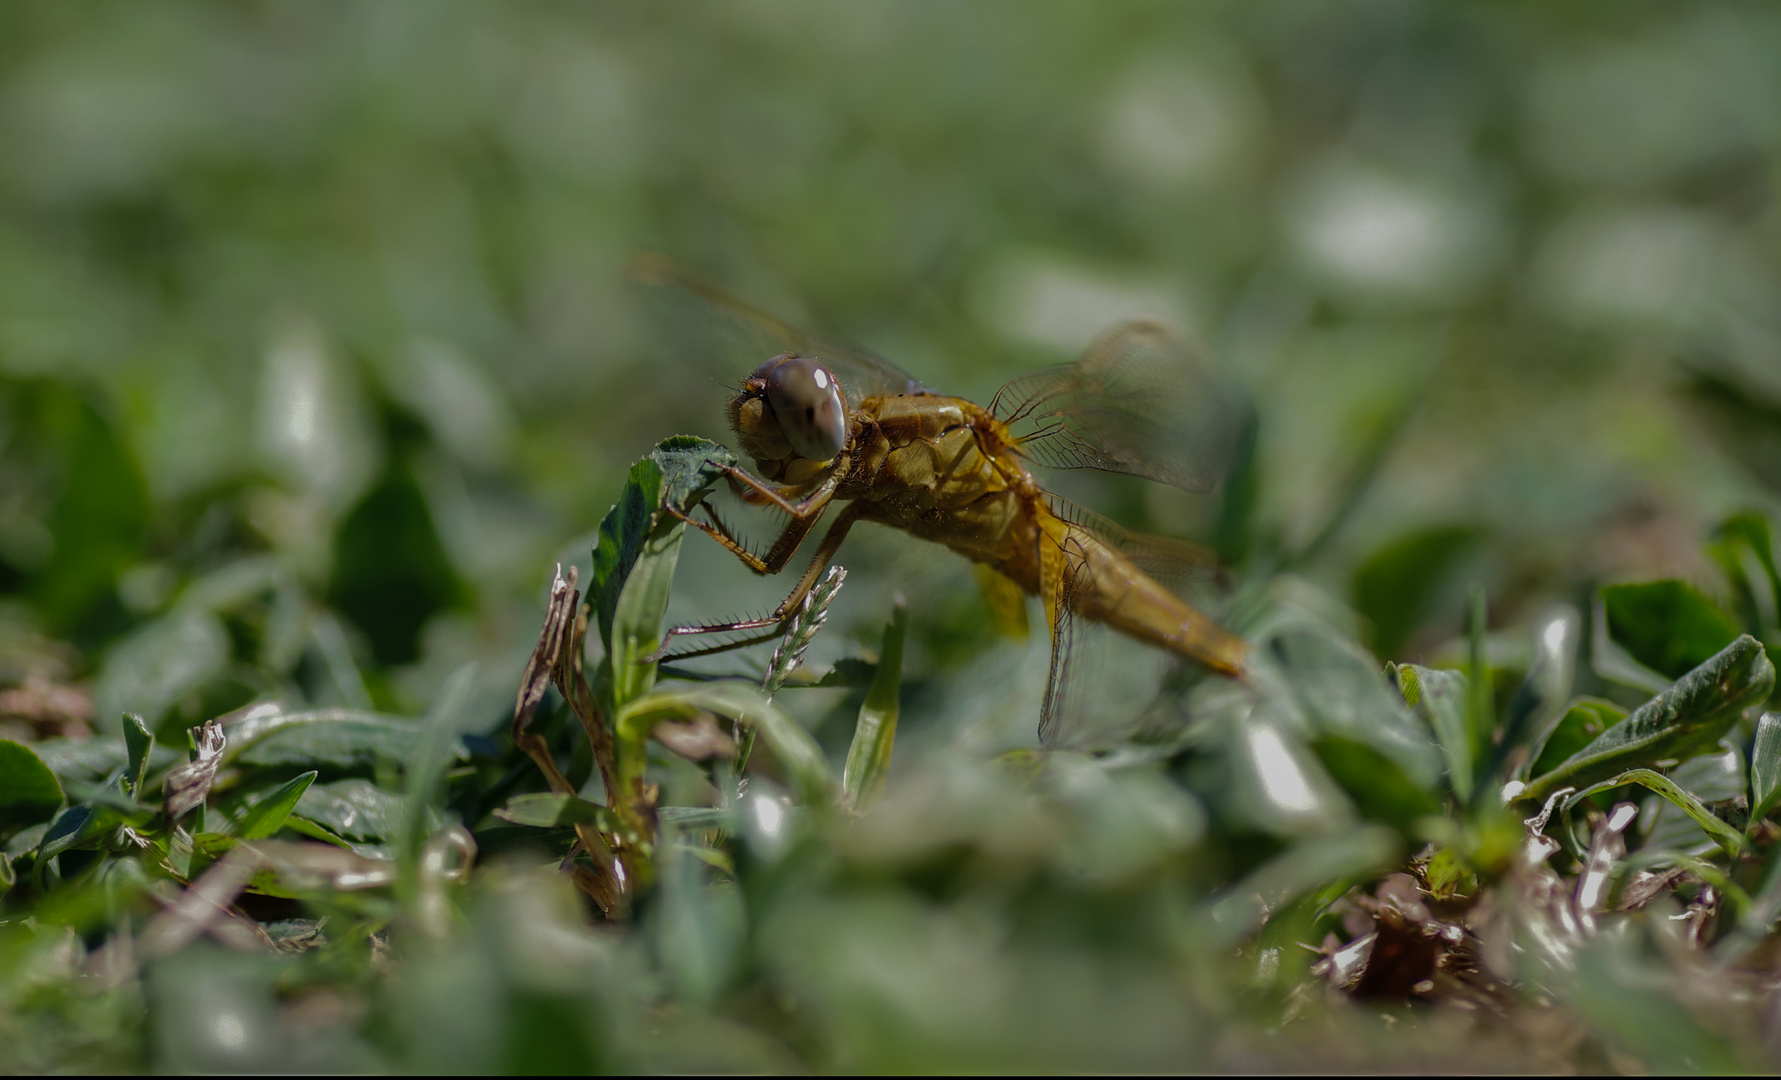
(777,556)
(825,553)
(758,492)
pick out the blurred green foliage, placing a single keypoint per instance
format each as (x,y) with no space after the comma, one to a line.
(316,356)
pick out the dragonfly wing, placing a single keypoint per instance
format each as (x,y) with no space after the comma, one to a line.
(1137,402)
(737,336)
(1061,708)
(1179,564)
(1103,687)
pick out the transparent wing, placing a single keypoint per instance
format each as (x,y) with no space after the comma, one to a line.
(1102,687)
(733,337)
(1179,564)
(1137,402)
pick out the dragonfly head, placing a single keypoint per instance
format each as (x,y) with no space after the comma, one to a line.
(791,407)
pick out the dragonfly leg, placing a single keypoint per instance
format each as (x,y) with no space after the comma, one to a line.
(825,553)
(777,556)
(758,492)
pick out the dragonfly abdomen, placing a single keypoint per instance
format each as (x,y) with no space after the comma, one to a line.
(1107,587)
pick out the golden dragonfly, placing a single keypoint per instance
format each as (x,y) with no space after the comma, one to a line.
(826,422)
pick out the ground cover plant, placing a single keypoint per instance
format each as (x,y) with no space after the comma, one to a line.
(335,460)
(301,886)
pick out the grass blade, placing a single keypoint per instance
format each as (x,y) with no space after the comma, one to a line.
(268,815)
(868,758)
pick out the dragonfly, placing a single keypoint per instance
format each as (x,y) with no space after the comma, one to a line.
(826,423)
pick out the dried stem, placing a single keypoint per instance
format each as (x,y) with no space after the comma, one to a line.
(557,659)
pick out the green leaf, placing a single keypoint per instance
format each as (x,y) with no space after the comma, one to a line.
(97,758)
(80,826)
(869,757)
(634,558)
(139,743)
(1722,833)
(29,792)
(1441,698)
(268,815)
(1684,720)
(1586,719)
(340,739)
(1404,584)
(355,809)
(1342,692)
(1710,778)
(546,810)
(1377,785)
(1668,626)
(1765,767)
(299,824)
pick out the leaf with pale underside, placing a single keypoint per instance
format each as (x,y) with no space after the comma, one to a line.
(1684,720)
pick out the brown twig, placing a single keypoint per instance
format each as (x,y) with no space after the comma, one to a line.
(557,659)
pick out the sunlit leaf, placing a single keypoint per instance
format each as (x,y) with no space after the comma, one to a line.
(699,926)
(353,809)
(1682,721)
(1541,698)
(78,827)
(268,815)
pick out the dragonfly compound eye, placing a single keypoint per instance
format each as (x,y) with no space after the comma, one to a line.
(807,402)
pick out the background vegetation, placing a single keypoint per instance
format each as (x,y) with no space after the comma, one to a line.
(317,357)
